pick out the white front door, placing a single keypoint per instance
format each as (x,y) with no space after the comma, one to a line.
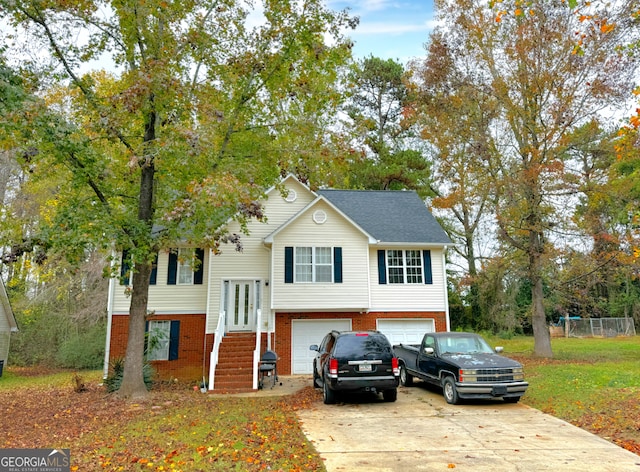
(241,305)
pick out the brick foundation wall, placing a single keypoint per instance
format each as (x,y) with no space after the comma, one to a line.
(188,366)
(364,321)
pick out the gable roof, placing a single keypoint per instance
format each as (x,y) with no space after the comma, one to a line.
(5,308)
(389,216)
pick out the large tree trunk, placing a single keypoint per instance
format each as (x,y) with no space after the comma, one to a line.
(133,385)
(476,311)
(541,335)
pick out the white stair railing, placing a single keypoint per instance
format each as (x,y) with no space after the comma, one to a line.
(213,358)
(256,352)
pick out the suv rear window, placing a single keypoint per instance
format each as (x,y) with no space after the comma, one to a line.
(362,344)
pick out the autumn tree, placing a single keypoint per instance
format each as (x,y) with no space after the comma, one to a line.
(549,72)
(455,118)
(389,157)
(198,113)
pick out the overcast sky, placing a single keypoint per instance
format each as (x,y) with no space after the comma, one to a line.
(390,29)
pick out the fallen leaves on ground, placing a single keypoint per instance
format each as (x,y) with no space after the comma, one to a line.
(174,429)
(178,429)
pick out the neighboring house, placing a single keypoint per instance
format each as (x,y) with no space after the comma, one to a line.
(7,324)
(330,259)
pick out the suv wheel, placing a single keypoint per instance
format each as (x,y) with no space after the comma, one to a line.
(449,390)
(390,395)
(328,395)
(406,380)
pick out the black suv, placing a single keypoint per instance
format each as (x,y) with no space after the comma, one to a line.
(355,361)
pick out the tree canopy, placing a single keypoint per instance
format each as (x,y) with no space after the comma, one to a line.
(199,111)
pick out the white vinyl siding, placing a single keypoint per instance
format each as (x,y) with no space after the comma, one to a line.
(352,293)
(253,263)
(409,296)
(5,335)
(168,299)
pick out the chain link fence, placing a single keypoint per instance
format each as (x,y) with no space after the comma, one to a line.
(594,327)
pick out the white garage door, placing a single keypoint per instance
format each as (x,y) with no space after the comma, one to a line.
(407,331)
(304,333)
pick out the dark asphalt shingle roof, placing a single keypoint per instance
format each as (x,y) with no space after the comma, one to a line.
(389,216)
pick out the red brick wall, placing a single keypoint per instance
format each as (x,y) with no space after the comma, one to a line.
(188,366)
(364,321)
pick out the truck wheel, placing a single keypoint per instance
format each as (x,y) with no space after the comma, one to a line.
(449,390)
(390,395)
(406,380)
(316,379)
(328,395)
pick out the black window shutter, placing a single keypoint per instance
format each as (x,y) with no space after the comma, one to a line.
(288,265)
(198,274)
(125,268)
(174,340)
(154,271)
(337,265)
(173,267)
(428,273)
(382,266)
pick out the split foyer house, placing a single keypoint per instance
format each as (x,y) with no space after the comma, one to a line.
(323,260)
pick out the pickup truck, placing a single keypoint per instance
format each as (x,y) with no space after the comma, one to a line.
(464,365)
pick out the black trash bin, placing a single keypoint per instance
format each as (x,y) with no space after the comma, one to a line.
(1,366)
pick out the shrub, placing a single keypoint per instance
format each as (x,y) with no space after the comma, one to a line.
(83,349)
(116,370)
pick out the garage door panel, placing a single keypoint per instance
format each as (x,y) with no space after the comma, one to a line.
(406,331)
(304,333)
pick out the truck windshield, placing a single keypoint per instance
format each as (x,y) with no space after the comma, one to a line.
(463,345)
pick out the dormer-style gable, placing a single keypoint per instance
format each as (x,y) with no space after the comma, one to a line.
(385,217)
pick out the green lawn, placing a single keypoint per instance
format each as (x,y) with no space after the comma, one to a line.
(591,382)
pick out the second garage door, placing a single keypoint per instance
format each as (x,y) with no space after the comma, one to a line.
(304,333)
(407,331)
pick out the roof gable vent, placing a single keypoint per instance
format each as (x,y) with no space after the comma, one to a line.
(291,196)
(319,216)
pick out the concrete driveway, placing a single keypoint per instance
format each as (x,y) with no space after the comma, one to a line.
(421,432)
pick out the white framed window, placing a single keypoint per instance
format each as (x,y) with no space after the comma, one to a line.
(313,264)
(404,266)
(185,266)
(158,340)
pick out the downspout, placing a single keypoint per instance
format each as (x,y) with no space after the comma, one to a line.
(271,323)
(206,319)
(446,292)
